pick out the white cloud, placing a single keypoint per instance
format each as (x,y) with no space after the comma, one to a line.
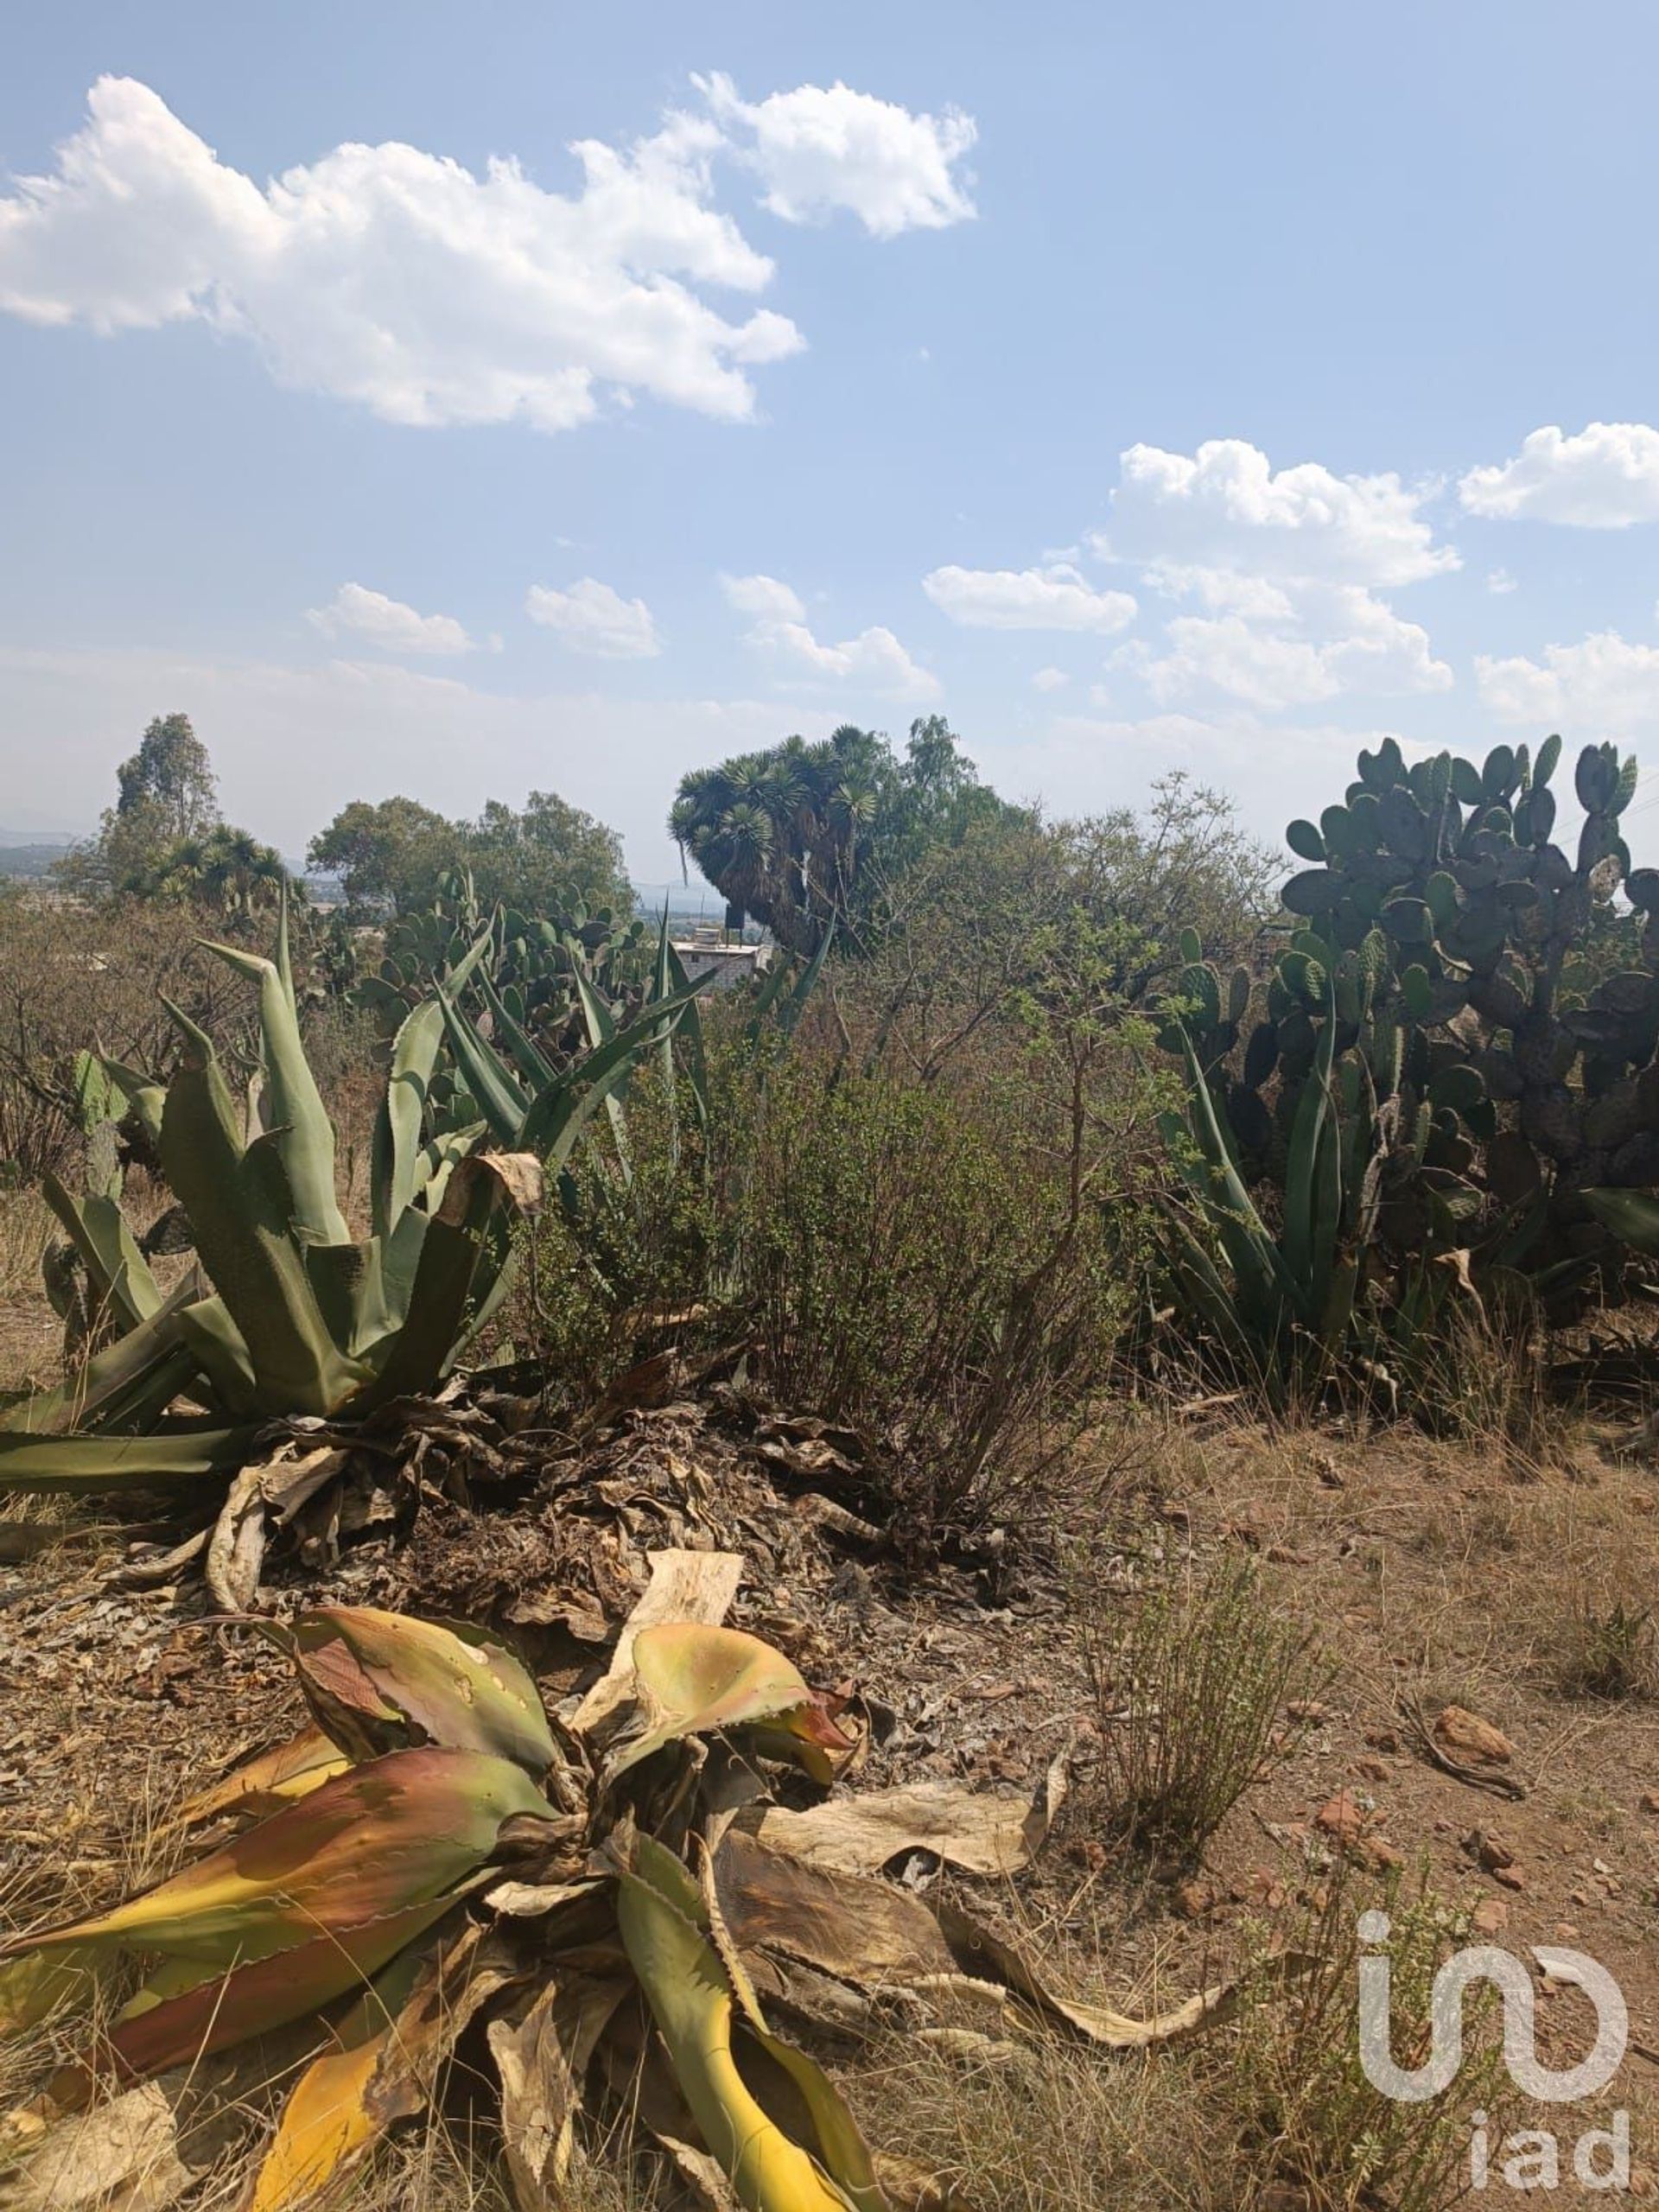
(1501,583)
(1225,508)
(398,278)
(388,622)
(591,618)
(873,661)
(1054,598)
(1606,477)
(817,149)
(1606,686)
(1307,643)
(1050,679)
(763,597)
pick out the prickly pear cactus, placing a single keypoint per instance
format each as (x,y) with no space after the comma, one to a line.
(531,965)
(1503,1069)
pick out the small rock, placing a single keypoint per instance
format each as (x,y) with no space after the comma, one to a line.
(1382,1739)
(1195,1900)
(1651,1801)
(1488,1849)
(1371,1769)
(1341,1817)
(1379,1855)
(1288,1555)
(1510,1877)
(1307,1708)
(1459,1730)
(1490,1916)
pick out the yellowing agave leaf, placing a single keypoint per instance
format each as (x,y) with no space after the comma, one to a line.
(379,1840)
(226,2009)
(658,1911)
(384,2069)
(375,1680)
(691,1681)
(269,1780)
(326,2126)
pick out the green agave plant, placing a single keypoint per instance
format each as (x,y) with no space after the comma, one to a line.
(286,1316)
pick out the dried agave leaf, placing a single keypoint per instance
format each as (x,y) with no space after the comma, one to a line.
(542,2061)
(867,1932)
(966,1829)
(375,1680)
(236,1549)
(122,2157)
(684,1586)
(985,1955)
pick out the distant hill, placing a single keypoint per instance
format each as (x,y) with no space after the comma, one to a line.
(30,853)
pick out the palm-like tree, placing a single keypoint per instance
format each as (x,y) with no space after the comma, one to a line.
(778,833)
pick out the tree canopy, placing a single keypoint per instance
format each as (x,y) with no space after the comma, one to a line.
(390,854)
(799,835)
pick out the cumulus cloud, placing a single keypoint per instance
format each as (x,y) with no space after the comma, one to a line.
(1276,575)
(873,661)
(1225,508)
(1606,477)
(1054,598)
(591,618)
(398,278)
(822,149)
(1311,642)
(356,610)
(1050,679)
(1605,686)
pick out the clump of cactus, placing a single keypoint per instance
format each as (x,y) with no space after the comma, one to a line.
(528,971)
(1491,1065)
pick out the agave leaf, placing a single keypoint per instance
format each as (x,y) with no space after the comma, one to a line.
(377,1839)
(1312,1192)
(127,1385)
(502,1099)
(220,1351)
(692,1025)
(692,1681)
(970,1828)
(375,1680)
(395,1176)
(597,1020)
(561,1112)
(658,1911)
(299,1120)
(527,1056)
(384,2069)
(463,1256)
(238,1205)
(119,1274)
(225,2008)
(269,1780)
(1632,1216)
(99,1463)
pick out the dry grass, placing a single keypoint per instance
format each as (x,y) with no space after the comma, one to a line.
(1187,1684)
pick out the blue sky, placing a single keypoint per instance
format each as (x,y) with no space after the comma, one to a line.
(1142,387)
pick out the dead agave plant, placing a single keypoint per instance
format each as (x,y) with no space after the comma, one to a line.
(608,1900)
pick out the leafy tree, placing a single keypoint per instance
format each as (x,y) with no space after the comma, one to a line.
(169,782)
(545,857)
(166,798)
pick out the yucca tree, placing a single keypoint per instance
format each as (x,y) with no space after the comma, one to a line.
(780,834)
